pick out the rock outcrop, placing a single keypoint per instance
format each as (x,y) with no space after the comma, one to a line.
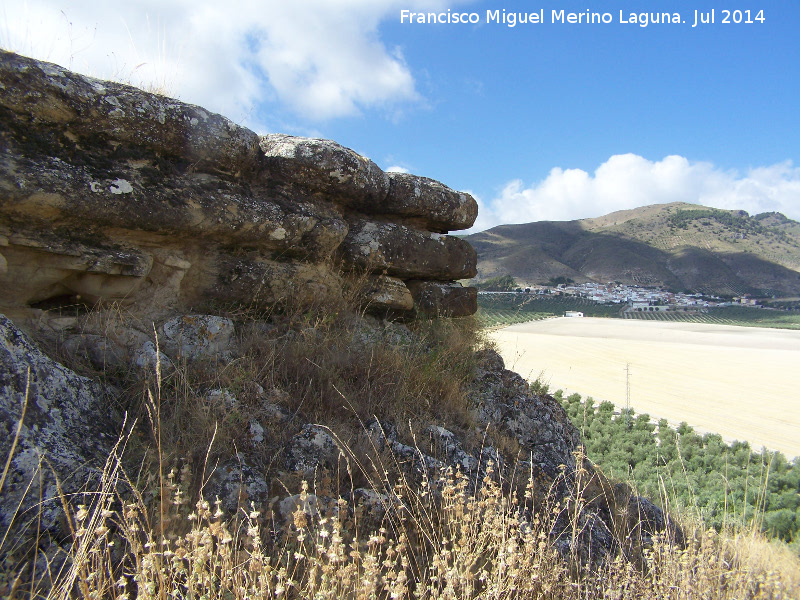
(57,428)
(541,427)
(109,194)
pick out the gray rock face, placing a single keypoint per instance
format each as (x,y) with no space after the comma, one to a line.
(443,299)
(450,446)
(611,518)
(46,94)
(196,336)
(325,167)
(406,252)
(66,435)
(100,351)
(256,281)
(594,542)
(237,484)
(109,194)
(502,399)
(369,331)
(387,293)
(436,206)
(147,359)
(312,448)
(642,520)
(330,169)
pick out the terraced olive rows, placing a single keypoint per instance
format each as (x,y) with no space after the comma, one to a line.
(726,315)
(510,309)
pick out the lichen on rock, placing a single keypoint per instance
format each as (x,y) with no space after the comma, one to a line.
(58,446)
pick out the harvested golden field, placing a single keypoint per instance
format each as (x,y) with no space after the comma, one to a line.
(741,382)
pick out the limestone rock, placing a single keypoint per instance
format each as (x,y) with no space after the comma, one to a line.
(256,432)
(382,292)
(371,508)
(591,542)
(222,397)
(197,336)
(446,443)
(610,515)
(328,168)
(237,484)
(323,166)
(101,352)
(381,433)
(447,299)
(436,206)
(312,448)
(259,282)
(369,331)
(87,110)
(66,435)
(308,504)
(42,265)
(503,399)
(407,252)
(151,195)
(414,462)
(411,460)
(641,520)
(147,359)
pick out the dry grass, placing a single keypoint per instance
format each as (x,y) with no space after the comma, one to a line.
(321,363)
(450,544)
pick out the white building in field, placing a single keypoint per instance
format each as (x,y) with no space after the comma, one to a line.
(573,313)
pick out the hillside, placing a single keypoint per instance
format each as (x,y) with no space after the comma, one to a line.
(679,246)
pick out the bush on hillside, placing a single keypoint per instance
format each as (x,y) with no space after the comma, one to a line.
(502,283)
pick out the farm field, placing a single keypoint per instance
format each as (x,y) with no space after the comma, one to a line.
(725,315)
(740,382)
(508,309)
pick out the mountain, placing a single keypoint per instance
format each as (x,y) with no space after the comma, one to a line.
(677,246)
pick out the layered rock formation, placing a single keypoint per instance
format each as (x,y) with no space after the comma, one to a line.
(111,194)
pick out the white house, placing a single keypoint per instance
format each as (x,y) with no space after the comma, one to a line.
(573,313)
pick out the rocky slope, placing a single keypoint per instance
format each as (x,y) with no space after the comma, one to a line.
(679,246)
(60,433)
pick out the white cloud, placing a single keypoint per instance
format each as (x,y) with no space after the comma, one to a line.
(319,58)
(627,181)
(397,169)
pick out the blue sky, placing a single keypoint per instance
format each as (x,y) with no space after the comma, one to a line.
(538,121)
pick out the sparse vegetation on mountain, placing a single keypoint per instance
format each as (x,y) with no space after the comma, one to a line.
(734,220)
(560,280)
(677,246)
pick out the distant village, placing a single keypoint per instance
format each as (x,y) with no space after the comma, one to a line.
(636,297)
